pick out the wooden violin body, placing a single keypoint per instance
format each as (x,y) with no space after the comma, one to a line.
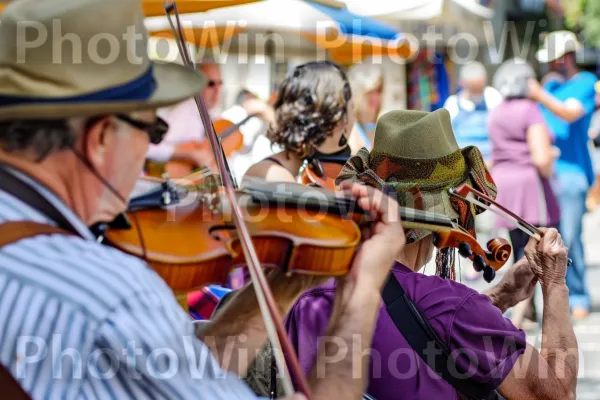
(194,243)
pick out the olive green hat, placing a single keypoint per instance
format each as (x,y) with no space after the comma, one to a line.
(416,159)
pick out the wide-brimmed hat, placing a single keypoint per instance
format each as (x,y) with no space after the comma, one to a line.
(65,58)
(416,159)
(557,44)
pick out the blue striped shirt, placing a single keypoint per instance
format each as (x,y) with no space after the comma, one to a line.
(79,320)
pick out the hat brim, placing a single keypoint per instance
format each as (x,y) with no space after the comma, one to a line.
(174,83)
(543,56)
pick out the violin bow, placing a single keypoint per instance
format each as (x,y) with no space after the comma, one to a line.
(269,310)
(471,195)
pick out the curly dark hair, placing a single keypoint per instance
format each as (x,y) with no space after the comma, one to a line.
(311,102)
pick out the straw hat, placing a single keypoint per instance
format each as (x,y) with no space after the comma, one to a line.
(416,159)
(557,44)
(83,57)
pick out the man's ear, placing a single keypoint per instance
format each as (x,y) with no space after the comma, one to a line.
(94,141)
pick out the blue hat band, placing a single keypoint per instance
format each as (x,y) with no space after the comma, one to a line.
(139,89)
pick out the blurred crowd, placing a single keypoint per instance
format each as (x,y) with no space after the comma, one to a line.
(540,141)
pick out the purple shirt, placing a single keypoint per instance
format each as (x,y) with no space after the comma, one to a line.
(521,189)
(475,331)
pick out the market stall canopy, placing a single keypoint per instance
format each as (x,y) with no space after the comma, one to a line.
(343,34)
(448,18)
(415,9)
(157,7)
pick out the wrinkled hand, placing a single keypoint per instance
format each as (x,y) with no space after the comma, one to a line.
(534,90)
(548,258)
(519,282)
(383,238)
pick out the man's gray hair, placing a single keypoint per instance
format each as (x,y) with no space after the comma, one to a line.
(39,138)
(473,70)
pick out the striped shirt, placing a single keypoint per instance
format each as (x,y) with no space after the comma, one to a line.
(79,320)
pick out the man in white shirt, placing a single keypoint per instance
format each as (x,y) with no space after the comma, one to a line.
(185,124)
(79,319)
(256,144)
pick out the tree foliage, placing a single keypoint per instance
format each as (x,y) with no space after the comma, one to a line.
(584,16)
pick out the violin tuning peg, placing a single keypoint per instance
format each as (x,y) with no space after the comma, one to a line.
(489,274)
(464,250)
(478,263)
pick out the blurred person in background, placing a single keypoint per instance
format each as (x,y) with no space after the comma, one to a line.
(367,82)
(567,105)
(469,109)
(594,195)
(523,158)
(185,124)
(256,145)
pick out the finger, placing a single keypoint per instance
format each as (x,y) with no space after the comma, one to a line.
(372,200)
(357,189)
(550,239)
(365,233)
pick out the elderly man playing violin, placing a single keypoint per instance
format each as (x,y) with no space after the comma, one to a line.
(79,319)
(186,131)
(428,324)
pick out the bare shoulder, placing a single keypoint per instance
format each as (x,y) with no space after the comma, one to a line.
(269,170)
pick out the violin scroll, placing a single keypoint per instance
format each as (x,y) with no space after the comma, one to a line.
(489,261)
(499,249)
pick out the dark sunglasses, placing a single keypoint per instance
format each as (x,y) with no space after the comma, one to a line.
(156,130)
(212,83)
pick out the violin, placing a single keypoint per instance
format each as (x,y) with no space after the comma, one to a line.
(186,232)
(232,140)
(321,171)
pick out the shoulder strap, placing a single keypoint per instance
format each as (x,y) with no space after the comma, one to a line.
(276,161)
(24,192)
(10,387)
(11,232)
(420,335)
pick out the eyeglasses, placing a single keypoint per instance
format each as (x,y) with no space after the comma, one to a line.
(212,83)
(156,130)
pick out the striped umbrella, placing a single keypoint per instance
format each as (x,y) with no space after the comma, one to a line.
(346,36)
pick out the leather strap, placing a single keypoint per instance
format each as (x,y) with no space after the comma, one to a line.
(420,335)
(10,387)
(12,232)
(27,194)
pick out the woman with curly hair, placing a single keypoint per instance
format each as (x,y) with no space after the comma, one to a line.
(313,116)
